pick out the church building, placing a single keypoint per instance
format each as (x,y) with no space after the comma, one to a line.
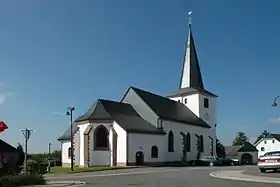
(145,128)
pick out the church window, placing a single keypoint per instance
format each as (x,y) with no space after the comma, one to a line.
(206,103)
(179,101)
(188,142)
(101,140)
(201,144)
(170,142)
(69,152)
(273,141)
(265,142)
(154,152)
(185,100)
(262,148)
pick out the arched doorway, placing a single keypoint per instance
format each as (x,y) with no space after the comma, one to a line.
(139,157)
(246,158)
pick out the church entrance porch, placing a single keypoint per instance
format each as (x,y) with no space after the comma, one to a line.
(139,158)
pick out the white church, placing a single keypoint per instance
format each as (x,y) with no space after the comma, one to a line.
(145,128)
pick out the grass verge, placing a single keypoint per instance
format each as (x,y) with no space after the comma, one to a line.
(65,170)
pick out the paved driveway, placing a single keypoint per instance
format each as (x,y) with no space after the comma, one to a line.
(161,177)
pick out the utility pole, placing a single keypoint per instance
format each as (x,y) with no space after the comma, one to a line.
(70,113)
(26,133)
(50,144)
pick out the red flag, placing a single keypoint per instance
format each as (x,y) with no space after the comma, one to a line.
(3,126)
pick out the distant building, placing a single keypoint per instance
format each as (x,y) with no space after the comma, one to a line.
(9,154)
(267,144)
(245,154)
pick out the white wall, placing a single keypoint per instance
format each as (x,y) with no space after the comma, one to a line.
(177,128)
(65,145)
(82,128)
(144,143)
(268,145)
(121,144)
(76,142)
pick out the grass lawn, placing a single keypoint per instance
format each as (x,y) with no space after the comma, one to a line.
(63,170)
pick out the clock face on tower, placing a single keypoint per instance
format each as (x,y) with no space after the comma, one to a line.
(206,116)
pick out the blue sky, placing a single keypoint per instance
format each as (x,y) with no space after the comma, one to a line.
(59,53)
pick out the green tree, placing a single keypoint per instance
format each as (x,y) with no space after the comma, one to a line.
(220,149)
(262,135)
(21,155)
(240,139)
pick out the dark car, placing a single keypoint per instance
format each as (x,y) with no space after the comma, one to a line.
(206,161)
(227,161)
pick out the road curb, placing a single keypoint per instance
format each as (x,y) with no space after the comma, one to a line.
(238,175)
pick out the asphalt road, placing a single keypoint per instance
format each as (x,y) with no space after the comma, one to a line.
(169,176)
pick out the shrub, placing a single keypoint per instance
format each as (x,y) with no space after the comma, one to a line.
(37,168)
(21,180)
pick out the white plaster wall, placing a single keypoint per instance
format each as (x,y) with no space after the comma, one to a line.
(254,155)
(65,145)
(268,146)
(178,146)
(121,144)
(77,147)
(144,143)
(82,128)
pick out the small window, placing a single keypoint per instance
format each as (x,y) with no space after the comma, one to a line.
(262,148)
(179,101)
(185,100)
(206,103)
(273,141)
(69,152)
(265,142)
(154,152)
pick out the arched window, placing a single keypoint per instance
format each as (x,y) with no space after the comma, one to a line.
(101,140)
(69,152)
(201,144)
(154,152)
(188,139)
(170,142)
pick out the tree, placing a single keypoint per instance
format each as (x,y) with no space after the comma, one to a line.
(21,155)
(220,149)
(262,135)
(240,139)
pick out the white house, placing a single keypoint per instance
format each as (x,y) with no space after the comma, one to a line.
(268,143)
(146,128)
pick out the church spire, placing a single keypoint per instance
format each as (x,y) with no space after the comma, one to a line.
(191,75)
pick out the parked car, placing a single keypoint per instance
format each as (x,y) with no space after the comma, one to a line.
(269,161)
(226,161)
(206,161)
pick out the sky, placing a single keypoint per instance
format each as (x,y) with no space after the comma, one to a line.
(59,53)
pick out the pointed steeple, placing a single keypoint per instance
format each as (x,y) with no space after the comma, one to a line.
(191,75)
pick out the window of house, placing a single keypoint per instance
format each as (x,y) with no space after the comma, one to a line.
(265,142)
(206,103)
(185,100)
(170,141)
(160,124)
(262,148)
(188,140)
(273,141)
(179,101)
(69,152)
(154,152)
(201,144)
(101,140)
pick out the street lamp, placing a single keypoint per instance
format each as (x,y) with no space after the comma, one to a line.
(70,113)
(274,104)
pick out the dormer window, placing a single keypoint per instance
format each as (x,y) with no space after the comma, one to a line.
(206,103)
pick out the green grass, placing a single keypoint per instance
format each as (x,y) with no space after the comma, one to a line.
(64,170)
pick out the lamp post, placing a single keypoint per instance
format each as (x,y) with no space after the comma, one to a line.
(70,113)
(274,104)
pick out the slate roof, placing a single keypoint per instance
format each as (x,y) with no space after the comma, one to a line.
(276,136)
(190,91)
(233,150)
(7,147)
(170,110)
(192,64)
(124,114)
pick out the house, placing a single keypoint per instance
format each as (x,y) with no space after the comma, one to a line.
(269,143)
(9,154)
(146,128)
(245,154)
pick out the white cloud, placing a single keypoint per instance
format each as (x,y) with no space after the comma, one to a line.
(274,119)
(4,94)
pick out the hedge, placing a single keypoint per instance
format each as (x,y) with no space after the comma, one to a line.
(21,180)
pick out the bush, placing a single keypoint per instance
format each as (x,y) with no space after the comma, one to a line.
(37,168)
(21,180)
